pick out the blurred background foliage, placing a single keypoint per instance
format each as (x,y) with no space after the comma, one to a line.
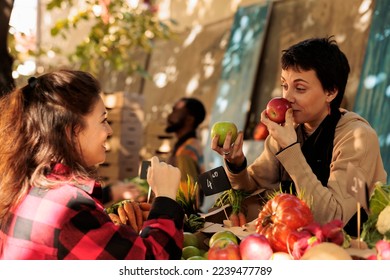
(119,31)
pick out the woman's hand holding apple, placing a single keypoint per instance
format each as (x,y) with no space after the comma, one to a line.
(231,150)
(284,134)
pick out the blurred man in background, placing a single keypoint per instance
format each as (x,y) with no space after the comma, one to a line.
(187,154)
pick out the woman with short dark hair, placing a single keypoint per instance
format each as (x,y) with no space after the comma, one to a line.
(311,151)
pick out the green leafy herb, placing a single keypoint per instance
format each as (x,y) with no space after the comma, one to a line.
(193,222)
(232,197)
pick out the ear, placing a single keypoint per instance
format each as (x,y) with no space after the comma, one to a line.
(330,95)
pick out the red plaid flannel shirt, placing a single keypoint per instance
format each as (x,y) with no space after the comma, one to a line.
(67,222)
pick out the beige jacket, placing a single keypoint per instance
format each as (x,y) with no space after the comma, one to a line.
(355,141)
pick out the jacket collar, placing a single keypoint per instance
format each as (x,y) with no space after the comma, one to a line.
(63,173)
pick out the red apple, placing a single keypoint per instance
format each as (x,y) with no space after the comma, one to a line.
(276,109)
(255,247)
(222,129)
(224,249)
(261,132)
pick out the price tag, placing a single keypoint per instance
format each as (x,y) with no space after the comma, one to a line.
(214,181)
(357,186)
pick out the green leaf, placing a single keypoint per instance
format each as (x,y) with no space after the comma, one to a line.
(57,4)
(379,199)
(193,222)
(116,44)
(232,197)
(370,234)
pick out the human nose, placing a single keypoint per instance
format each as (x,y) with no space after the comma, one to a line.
(288,95)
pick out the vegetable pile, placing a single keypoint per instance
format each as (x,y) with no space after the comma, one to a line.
(279,217)
(128,212)
(305,238)
(288,224)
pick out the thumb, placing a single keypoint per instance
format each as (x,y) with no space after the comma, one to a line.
(154,161)
(153,164)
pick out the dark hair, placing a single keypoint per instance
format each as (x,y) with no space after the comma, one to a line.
(196,109)
(324,57)
(37,129)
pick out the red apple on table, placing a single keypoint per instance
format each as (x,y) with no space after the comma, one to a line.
(224,249)
(255,247)
(222,129)
(276,109)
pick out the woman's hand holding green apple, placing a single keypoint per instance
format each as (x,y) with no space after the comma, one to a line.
(227,141)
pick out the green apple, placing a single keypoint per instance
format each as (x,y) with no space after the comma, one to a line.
(190,251)
(190,239)
(222,129)
(224,234)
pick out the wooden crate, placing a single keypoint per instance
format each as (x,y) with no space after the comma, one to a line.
(133,114)
(126,130)
(125,116)
(112,172)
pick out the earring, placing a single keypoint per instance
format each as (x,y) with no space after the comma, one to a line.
(329,110)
